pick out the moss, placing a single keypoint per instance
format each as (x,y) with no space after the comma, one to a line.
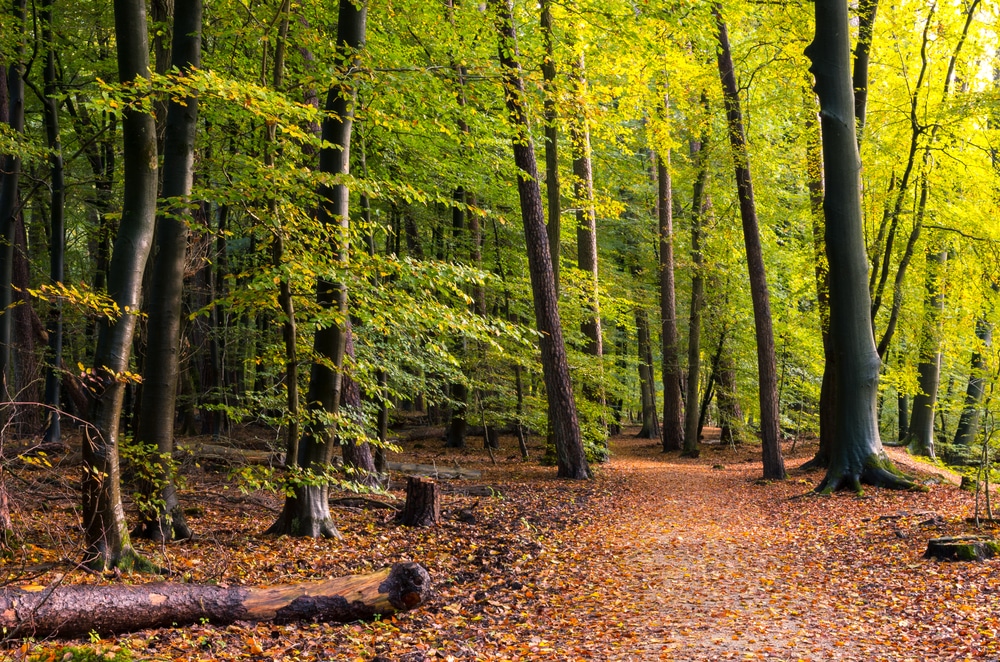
(80,654)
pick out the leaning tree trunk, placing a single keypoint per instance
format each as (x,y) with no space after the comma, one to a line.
(857,455)
(107,542)
(80,609)
(162,517)
(968,423)
(672,430)
(774,464)
(921,436)
(307,509)
(552,195)
(570,457)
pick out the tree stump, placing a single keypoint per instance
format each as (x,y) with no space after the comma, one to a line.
(962,548)
(423,502)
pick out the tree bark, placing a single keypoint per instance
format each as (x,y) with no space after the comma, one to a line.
(357,454)
(921,435)
(423,502)
(673,432)
(857,455)
(968,423)
(11,113)
(570,457)
(162,517)
(307,510)
(552,193)
(647,383)
(74,610)
(774,464)
(699,206)
(106,535)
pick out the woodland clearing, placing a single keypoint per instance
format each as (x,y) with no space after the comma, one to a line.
(658,558)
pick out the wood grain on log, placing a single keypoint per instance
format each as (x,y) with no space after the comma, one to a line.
(71,610)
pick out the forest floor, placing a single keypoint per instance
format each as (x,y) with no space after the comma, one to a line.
(657,558)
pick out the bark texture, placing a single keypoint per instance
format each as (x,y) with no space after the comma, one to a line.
(570,457)
(423,502)
(968,423)
(921,434)
(857,455)
(74,610)
(673,431)
(774,464)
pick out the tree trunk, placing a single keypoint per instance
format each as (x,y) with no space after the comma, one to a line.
(647,383)
(357,454)
(162,517)
(307,510)
(107,542)
(921,436)
(867,10)
(552,194)
(423,502)
(57,226)
(857,455)
(730,412)
(11,113)
(76,610)
(968,424)
(699,206)
(774,464)
(570,457)
(673,433)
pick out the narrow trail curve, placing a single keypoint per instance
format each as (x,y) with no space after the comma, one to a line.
(727,568)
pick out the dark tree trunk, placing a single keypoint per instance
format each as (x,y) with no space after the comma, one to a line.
(968,424)
(857,455)
(647,384)
(774,464)
(552,194)
(307,510)
(921,435)
(570,457)
(458,426)
(730,412)
(107,541)
(28,333)
(699,206)
(867,9)
(903,416)
(57,226)
(11,113)
(673,432)
(74,610)
(163,518)
(357,455)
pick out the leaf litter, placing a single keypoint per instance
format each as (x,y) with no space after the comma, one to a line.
(658,558)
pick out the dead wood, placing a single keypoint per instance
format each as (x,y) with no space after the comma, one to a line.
(79,609)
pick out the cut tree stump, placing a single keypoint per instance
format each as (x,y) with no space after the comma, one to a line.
(423,502)
(79,609)
(962,548)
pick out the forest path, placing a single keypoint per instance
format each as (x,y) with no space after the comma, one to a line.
(729,568)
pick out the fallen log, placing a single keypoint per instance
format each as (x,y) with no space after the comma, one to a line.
(962,548)
(434,471)
(73,610)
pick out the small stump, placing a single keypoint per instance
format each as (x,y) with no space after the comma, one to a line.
(423,502)
(962,548)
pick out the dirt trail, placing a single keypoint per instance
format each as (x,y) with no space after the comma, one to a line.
(732,569)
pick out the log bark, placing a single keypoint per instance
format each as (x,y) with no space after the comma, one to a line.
(423,502)
(73,610)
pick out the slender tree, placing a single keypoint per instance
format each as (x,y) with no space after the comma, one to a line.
(570,457)
(307,509)
(921,436)
(672,430)
(699,206)
(552,194)
(857,455)
(770,433)
(162,517)
(106,534)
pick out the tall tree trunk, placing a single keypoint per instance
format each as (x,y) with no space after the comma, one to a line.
(774,464)
(586,217)
(357,455)
(552,193)
(57,226)
(647,384)
(699,206)
(730,412)
(673,432)
(921,436)
(968,424)
(11,113)
(107,541)
(867,10)
(162,518)
(857,455)
(570,457)
(307,510)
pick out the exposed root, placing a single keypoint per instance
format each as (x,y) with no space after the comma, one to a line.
(876,471)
